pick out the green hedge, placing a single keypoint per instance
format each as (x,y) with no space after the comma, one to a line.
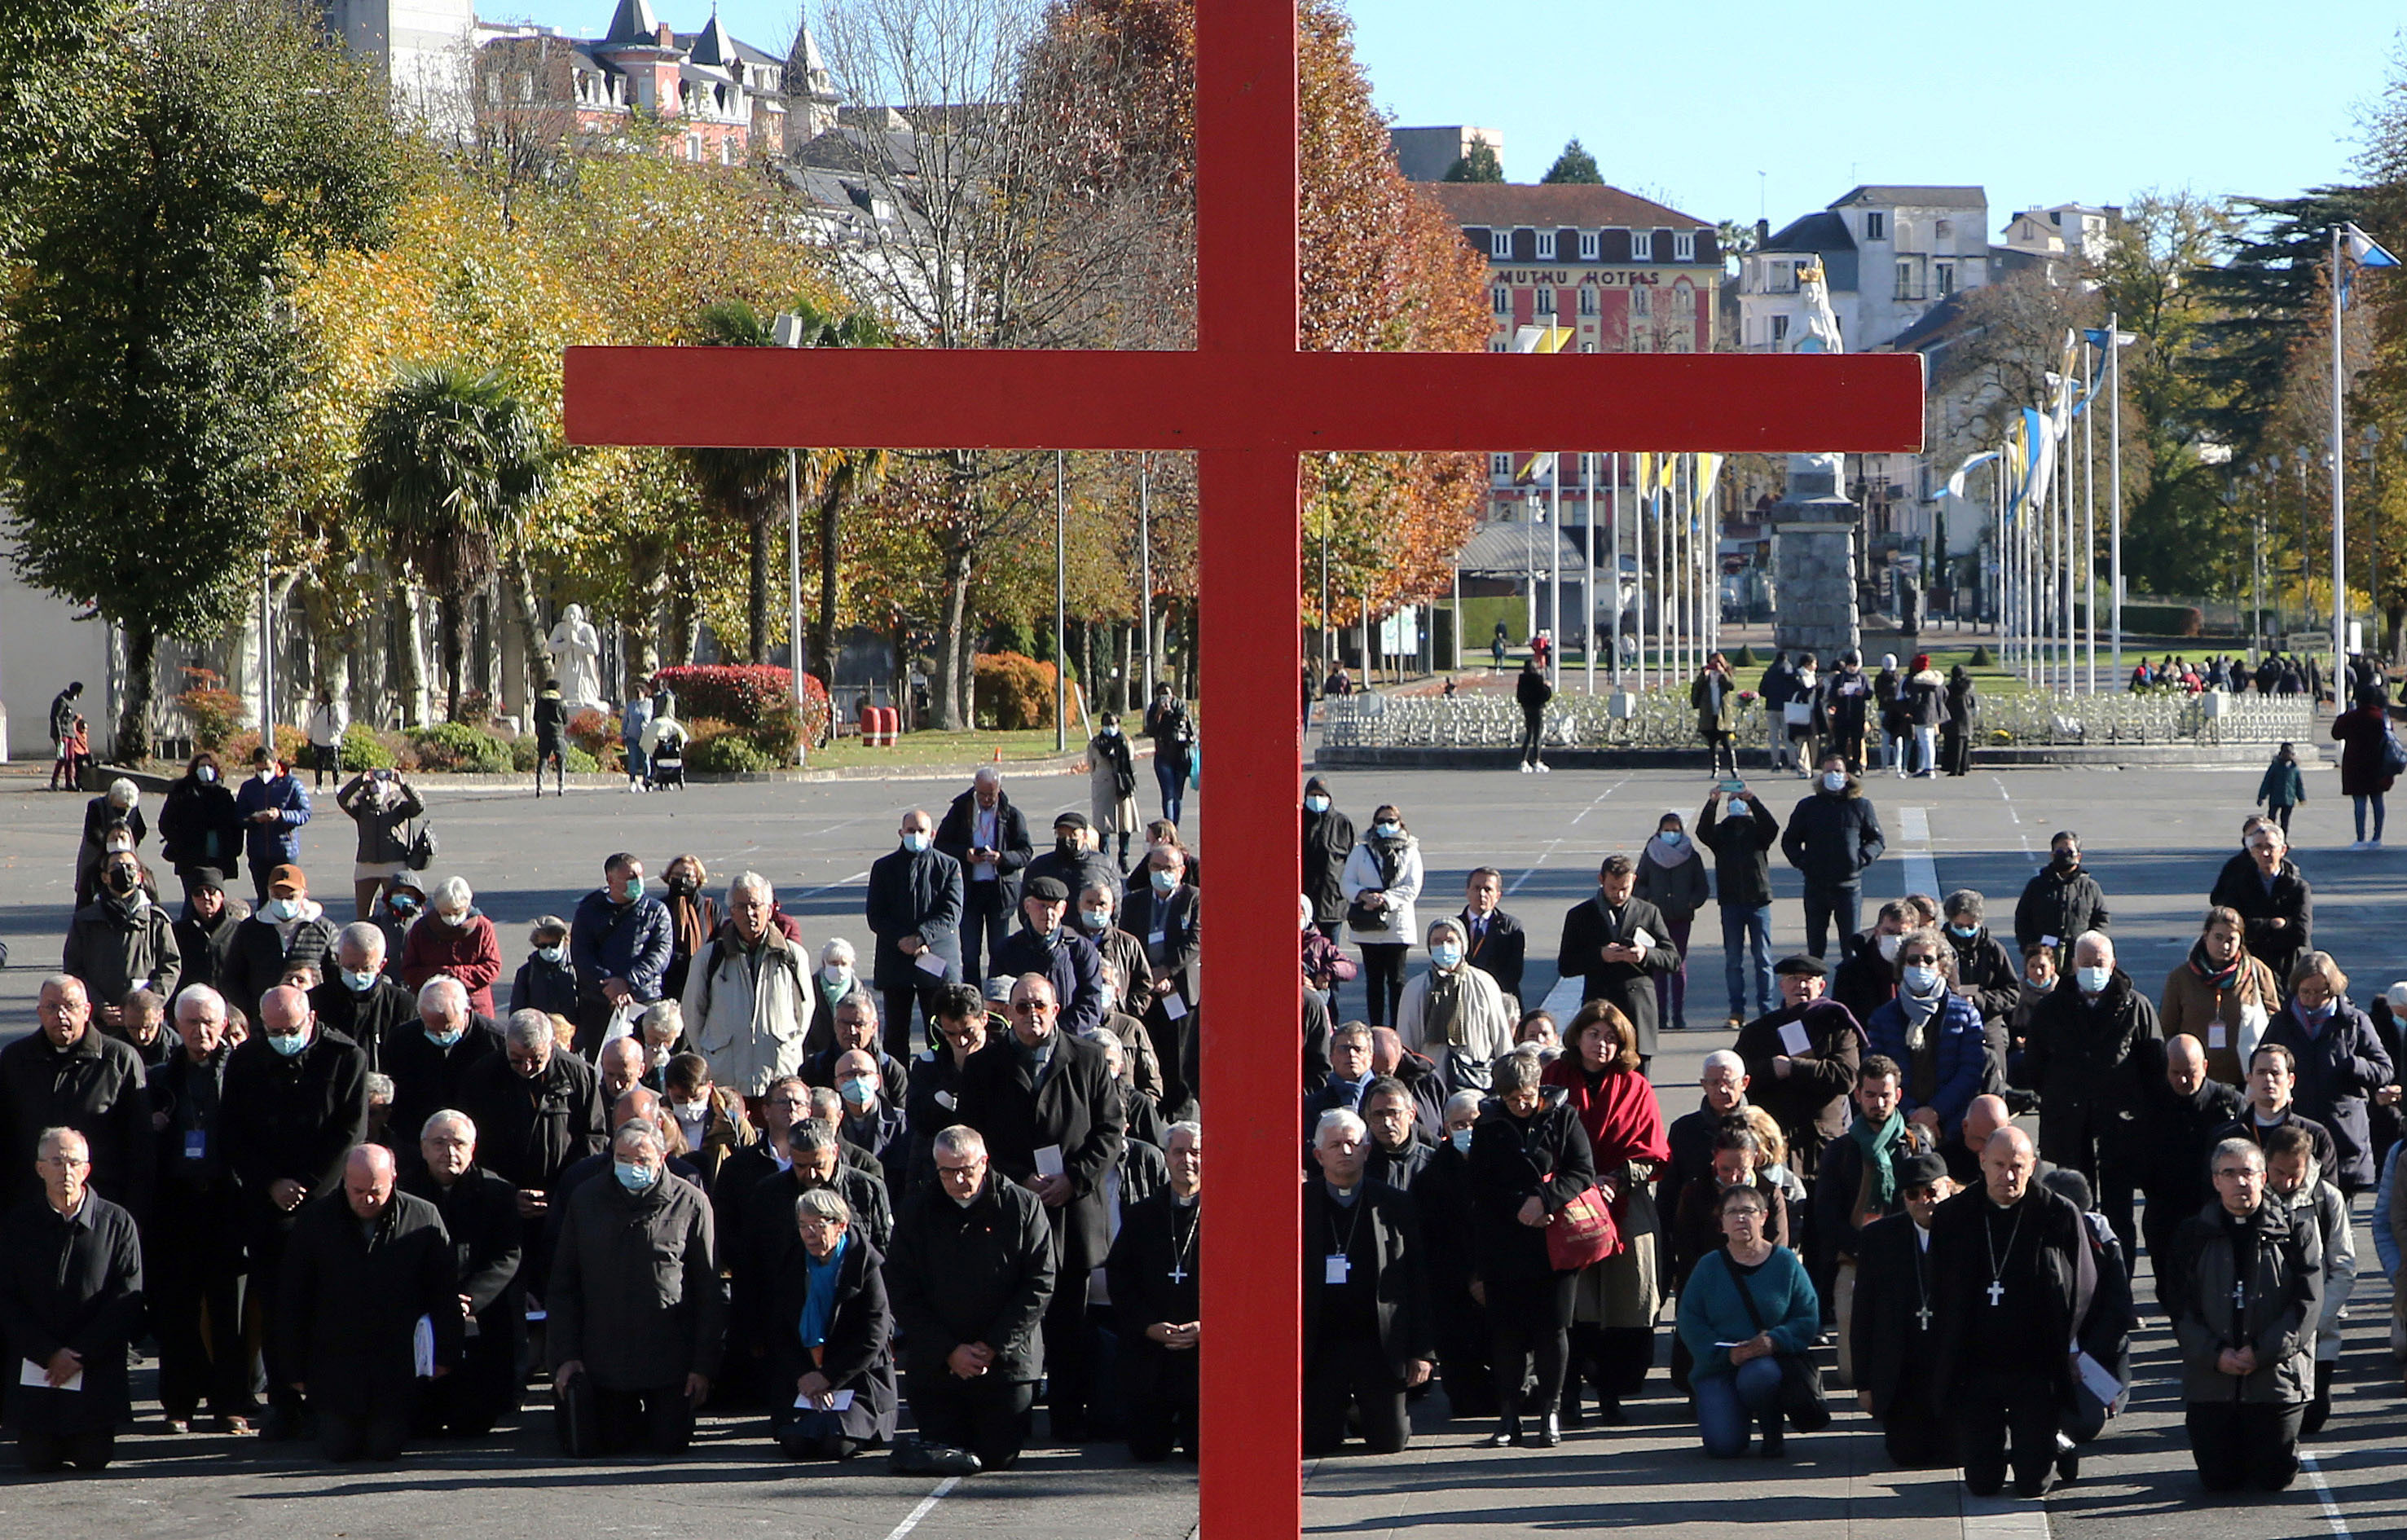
(457,745)
(363,751)
(730,753)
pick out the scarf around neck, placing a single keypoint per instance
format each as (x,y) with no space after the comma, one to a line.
(2222,978)
(1876,1143)
(1918,1011)
(818,1304)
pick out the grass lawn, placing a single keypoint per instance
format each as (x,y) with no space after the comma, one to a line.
(926,750)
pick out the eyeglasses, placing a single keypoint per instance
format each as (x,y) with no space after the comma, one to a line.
(1024,1007)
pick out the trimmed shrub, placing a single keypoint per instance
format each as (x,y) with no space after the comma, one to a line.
(729,753)
(594,731)
(743,693)
(1745,659)
(234,753)
(779,730)
(2163,619)
(1013,690)
(1981,658)
(457,745)
(363,751)
(577,762)
(522,751)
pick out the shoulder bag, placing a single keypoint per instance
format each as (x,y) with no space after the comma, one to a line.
(423,847)
(1801,1378)
(1582,1234)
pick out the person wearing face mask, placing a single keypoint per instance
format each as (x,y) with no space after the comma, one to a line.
(1866,976)
(914,901)
(1831,836)
(1071,860)
(1672,876)
(638,1313)
(1382,880)
(836,978)
(360,1001)
(545,981)
(710,1120)
(1167,916)
(1933,1034)
(2063,900)
(2341,1062)
(402,904)
(288,931)
(1172,729)
(1454,1013)
(433,1060)
(456,942)
(272,806)
(205,927)
(197,825)
(122,941)
(111,822)
(1158,835)
(1046,944)
(381,803)
(295,1104)
(1985,975)
(694,919)
(2084,1056)
(870,1121)
(1329,839)
(1112,785)
(620,941)
(1124,955)
(987,834)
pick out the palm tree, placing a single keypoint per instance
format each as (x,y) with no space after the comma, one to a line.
(748,486)
(448,461)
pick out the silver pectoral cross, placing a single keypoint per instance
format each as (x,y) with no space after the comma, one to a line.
(1997,1291)
(2239,1294)
(1922,1318)
(1178,1272)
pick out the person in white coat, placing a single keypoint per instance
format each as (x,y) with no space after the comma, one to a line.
(1382,879)
(748,996)
(1455,1013)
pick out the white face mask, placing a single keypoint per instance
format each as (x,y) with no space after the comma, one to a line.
(1888,944)
(1835,780)
(265,774)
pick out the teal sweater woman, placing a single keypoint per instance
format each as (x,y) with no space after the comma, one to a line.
(1737,1375)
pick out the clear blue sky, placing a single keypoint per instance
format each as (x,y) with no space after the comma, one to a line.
(2044,103)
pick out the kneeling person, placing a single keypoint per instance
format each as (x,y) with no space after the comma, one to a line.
(2253,1285)
(1893,1315)
(838,1357)
(1367,1336)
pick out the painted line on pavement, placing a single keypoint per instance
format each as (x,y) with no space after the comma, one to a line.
(2324,1495)
(2007,798)
(1921,871)
(1600,798)
(927,1504)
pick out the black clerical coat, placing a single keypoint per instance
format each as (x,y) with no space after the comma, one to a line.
(1895,1315)
(2043,1277)
(69,1283)
(1154,1271)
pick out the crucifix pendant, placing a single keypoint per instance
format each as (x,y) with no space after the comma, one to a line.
(1997,1291)
(1178,1272)
(2239,1294)
(1922,1318)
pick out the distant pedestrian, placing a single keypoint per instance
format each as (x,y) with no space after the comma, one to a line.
(1955,733)
(551,738)
(1172,732)
(1112,787)
(1496,646)
(1532,690)
(325,725)
(64,721)
(2366,763)
(2284,788)
(1714,695)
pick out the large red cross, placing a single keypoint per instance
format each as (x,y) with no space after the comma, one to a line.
(1250,402)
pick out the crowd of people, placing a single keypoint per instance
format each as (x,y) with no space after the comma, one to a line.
(353,1191)
(1912,720)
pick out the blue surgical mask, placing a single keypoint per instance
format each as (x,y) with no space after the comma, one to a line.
(447,1039)
(631,889)
(1446,954)
(2092,980)
(1386,830)
(1165,882)
(1316,804)
(915,841)
(1920,977)
(289,1044)
(1095,920)
(207,773)
(860,1091)
(1967,931)
(633,1176)
(550,954)
(2316,1013)
(281,908)
(358,983)
(1671,837)
(1461,1139)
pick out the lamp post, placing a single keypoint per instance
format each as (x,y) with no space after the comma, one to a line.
(787,332)
(1061,609)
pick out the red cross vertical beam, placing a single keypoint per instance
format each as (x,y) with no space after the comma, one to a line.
(1251,403)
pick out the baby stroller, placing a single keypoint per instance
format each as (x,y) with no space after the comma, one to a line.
(665,769)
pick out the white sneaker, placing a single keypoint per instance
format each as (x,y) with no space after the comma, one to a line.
(1525,767)
(1542,768)
(2360,845)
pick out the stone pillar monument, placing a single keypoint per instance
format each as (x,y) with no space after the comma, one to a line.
(1814,525)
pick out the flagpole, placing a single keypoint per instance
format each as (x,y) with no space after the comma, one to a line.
(1554,569)
(1588,542)
(1614,560)
(2338,480)
(2089,517)
(1638,470)
(2114,487)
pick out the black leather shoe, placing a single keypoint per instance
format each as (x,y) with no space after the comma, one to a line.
(1507,1434)
(1549,1433)
(1775,1444)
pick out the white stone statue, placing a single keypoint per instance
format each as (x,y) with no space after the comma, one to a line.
(576,654)
(1817,474)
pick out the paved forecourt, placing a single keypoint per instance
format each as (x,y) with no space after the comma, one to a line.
(2154,838)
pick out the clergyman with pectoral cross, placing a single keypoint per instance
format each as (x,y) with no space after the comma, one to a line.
(1896,1315)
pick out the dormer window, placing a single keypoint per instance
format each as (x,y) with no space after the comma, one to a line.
(1591,245)
(1545,246)
(1500,244)
(1642,246)
(1875,225)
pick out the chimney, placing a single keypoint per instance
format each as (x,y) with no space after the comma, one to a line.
(667,36)
(1762,234)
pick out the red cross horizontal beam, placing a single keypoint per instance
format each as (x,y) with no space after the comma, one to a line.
(1305,402)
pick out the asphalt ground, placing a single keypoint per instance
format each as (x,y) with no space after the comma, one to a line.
(2154,838)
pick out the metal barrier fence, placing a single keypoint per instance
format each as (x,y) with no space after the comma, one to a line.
(1663,719)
